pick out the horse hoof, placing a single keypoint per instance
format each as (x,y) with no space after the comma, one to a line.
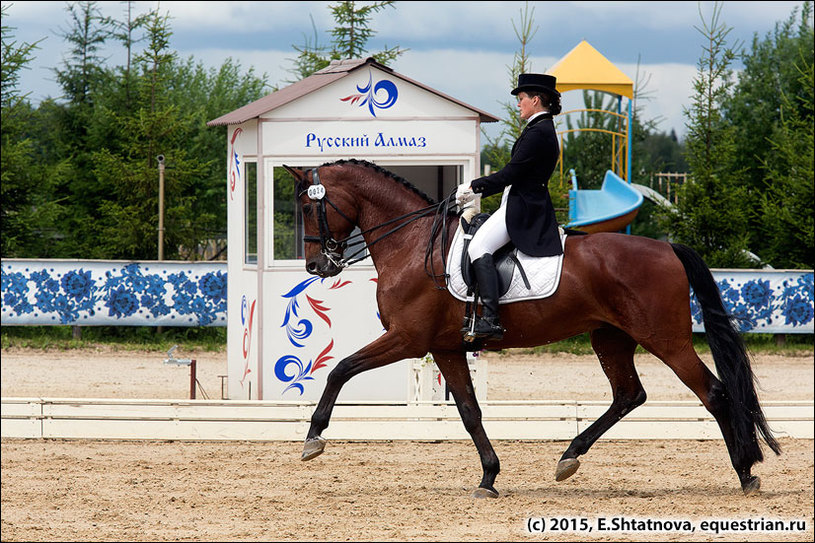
(313,448)
(751,486)
(566,468)
(482,492)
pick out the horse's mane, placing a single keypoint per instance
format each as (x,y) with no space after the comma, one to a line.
(386,173)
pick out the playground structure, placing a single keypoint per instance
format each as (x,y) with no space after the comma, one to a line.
(610,209)
(614,206)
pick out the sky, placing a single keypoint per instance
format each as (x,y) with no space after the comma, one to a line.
(463,49)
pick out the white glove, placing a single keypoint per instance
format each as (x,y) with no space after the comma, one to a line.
(464,194)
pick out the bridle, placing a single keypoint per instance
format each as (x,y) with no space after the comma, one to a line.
(332,248)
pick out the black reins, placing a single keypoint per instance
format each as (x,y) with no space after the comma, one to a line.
(331,247)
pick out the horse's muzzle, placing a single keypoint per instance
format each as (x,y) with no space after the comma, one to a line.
(323,266)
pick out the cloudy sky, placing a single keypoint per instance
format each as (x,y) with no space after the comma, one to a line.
(463,49)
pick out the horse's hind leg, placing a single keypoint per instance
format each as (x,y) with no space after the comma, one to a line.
(453,365)
(690,369)
(615,350)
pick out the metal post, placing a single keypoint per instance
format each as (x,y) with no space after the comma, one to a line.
(161,207)
(628,152)
(193,379)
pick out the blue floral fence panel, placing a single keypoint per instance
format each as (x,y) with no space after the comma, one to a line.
(89,293)
(95,293)
(764,301)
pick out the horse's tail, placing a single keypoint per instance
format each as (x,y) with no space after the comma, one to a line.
(730,357)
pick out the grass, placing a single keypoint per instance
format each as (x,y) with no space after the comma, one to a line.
(213,339)
(123,338)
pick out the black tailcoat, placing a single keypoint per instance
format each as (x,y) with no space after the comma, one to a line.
(531,220)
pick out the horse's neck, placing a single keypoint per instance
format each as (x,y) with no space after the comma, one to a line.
(389,202)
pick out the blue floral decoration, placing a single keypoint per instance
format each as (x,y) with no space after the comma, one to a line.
(755,304)
(368,95)
(121,302)
(797,310)
(297,329)
(301,372)
(105,293)
(176,294)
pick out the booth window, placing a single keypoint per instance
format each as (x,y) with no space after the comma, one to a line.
(251,203)
(288,219)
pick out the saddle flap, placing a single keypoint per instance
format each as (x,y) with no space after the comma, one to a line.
(505,258)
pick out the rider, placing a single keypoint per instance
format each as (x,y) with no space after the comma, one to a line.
(526,215)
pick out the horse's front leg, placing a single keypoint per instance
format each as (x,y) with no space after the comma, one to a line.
(388,348)
(453,365)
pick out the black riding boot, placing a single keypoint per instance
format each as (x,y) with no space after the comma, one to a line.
(487,326)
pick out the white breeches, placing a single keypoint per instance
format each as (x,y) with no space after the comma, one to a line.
(492,235)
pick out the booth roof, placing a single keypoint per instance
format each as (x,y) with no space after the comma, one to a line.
(334,71)
(585,68)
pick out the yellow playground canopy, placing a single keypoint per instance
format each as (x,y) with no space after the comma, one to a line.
(616,204)
(584,67)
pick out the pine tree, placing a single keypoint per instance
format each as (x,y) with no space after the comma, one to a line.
(786,201)
(128,221)
(349,39)
(711,214)
(772,97)
(123,31)
(28,208)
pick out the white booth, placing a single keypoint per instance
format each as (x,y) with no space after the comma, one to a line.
(287,329)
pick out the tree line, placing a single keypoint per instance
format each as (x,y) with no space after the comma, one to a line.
(80,173)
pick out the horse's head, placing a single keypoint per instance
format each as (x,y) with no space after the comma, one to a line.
(329,218)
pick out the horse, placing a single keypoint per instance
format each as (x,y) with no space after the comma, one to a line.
(623,290)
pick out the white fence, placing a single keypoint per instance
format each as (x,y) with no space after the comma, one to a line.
(204,420)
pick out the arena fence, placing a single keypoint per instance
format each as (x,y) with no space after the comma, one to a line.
(111,293)
(204,420)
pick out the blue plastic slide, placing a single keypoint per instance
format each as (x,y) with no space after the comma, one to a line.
(609,209)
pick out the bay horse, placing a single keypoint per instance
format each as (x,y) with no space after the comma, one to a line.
(623,290)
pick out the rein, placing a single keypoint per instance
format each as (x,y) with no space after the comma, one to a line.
(330,246)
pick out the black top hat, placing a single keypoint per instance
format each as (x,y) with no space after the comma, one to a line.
(536,82)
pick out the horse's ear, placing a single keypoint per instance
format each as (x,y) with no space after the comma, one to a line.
(298,174)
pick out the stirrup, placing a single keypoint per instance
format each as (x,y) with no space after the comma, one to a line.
(468,329)
(485,329)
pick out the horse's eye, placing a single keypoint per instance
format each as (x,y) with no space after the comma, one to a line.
(307,209)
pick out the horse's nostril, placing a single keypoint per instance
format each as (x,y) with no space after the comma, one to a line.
(311,267)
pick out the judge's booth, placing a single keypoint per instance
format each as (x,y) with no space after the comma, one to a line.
(288,329)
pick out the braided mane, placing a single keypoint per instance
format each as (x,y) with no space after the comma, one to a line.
(386,173)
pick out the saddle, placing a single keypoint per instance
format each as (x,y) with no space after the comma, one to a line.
(506,259)
(525,277)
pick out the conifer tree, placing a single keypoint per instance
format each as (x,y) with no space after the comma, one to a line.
(786,201)
(27,210)
(711,214)
(349,38)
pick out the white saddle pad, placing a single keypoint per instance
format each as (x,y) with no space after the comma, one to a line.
(543,274)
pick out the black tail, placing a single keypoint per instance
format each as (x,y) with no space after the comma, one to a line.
(729,355)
